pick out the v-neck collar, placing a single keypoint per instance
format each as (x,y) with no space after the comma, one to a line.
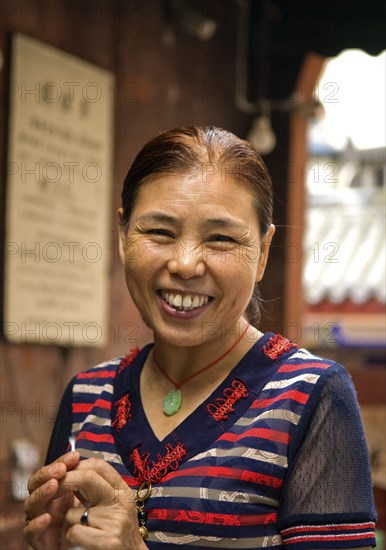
(216,415)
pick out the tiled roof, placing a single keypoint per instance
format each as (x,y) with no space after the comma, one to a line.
(344,253)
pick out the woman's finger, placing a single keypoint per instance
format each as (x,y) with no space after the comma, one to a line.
(105,470)
(36,503)
(45,531)
(55,470)
(86,515)
(103,523)
(36,526)
(120,490)
(46,499)
(100,516)
(88,485)
(92,539)
(105,515)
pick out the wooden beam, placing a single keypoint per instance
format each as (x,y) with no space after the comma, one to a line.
(298,155)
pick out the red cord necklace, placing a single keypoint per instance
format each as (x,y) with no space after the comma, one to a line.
(173,400)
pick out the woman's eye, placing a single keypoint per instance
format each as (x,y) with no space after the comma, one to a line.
(160,232)
(222,239)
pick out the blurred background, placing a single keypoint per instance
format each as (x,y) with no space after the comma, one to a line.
(305,83)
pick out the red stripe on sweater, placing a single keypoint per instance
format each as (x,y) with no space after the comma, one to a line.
(233,473)
(210,518)
(264,433)
(97,374)
(324,538)
(294,395)
(332,527)
(87,407)
(104,438)
(314,365)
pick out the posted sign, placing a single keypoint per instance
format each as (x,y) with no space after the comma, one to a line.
(59,191)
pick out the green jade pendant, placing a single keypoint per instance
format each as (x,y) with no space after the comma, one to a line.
(172,402)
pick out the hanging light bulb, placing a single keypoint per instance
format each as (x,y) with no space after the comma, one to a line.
(261,135)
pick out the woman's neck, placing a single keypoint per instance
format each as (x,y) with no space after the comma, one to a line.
(180,362)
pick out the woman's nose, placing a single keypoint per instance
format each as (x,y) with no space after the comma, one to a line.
(187,261)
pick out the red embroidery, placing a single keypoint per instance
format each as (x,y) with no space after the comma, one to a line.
(212,518)
(222,407)
(123,413)
(270,518)
(209,518)
(262,479)
(277,345)
(129,358)
(155,471)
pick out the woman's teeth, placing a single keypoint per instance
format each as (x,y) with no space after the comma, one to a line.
(184,303)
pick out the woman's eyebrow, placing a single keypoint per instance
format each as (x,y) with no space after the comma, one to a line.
(158,217)
(211,223)
(224,223)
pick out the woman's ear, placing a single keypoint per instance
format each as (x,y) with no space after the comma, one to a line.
(264,251)
(121,236)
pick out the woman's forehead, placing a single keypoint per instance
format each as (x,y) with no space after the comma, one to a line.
(220,203)
(212,187)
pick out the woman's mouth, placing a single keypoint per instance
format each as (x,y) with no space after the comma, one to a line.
(184,301)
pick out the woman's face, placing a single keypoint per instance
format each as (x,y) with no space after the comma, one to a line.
(192,254)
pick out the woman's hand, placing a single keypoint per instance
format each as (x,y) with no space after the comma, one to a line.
(112,516)
(45,507)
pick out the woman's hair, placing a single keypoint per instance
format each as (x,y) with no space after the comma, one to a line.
(202,151)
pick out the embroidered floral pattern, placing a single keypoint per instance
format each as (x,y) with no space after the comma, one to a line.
(277,345)
(153,472)
(222,407)
(123,413)
(128,359)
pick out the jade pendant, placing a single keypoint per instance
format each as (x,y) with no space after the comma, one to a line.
(172,402)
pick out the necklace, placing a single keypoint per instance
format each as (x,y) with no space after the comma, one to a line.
(173,400)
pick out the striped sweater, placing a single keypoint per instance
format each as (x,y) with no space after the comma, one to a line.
(275,457)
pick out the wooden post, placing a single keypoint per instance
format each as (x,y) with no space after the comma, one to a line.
(298,154)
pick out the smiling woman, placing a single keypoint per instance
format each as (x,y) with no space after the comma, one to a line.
(215,435)
(202,156)
(218,260)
